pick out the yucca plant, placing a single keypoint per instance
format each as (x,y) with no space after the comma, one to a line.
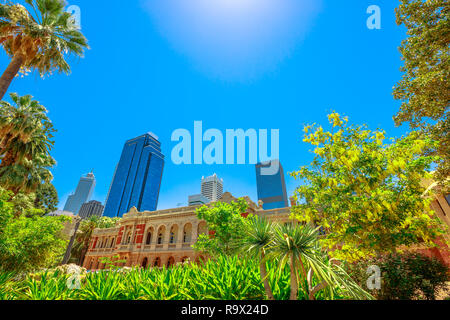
(297,246)
(257,238)
(38,36)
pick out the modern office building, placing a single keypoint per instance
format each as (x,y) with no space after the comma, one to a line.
(82,194)
(91,208)
(137,178)
(271,188)
(198,200)
(212,187)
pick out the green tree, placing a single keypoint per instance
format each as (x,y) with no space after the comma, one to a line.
(225,220)
(366,193)
(84,235)
(46,198)
(425,88)
(38,36)
(25,144)
(29,242)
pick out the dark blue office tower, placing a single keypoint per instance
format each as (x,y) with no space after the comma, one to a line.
(137,178)
(271,185)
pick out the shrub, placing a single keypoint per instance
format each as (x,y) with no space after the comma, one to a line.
(407,276)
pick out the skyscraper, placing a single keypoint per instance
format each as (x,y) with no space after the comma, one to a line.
(137,177)
(271,188)
(212,187)
(91,208)
(82,194)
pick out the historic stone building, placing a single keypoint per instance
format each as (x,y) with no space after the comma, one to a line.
(158,238)
(165,237)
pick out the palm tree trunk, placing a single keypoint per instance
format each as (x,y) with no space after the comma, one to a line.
(294,283)
(10,72)
(263,270)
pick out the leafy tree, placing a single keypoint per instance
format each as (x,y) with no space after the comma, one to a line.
(425,88)
(38,36)
(46,198)
(25,144)
(30,241)
(84,235)
(226,222)
(366,193)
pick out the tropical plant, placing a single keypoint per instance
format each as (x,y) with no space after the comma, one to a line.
(367,194)
(38,36)
(298,247)
(257,238)
(425,88)
(25,144)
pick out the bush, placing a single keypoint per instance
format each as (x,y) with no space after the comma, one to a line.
(407,276)
(225,278)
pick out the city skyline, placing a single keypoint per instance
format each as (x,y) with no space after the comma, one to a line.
(318,72)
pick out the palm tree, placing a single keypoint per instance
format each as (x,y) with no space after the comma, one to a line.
(25,130)
(258,236)
(298,247)
(25,144)
(40,41)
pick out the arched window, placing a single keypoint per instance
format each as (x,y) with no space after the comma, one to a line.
(157,262)
(187,233)
(144,263)
(170,262)
(149,237)
(161,231)
(173,234)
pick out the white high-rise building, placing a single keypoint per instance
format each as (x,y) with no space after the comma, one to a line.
(212,187)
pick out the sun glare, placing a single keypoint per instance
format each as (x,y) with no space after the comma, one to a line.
(233,37)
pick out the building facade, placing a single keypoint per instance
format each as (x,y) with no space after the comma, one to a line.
(91,208)
(82,194)
(137,178)
(212,187)
(158,238)
(271,188)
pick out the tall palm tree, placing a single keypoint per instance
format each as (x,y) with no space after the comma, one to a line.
(298,247)
(257,238)
(39,40)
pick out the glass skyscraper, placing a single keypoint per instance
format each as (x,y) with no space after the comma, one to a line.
(82,194)
(271,188)
(137,178)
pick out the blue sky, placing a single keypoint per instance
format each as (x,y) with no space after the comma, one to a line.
(160,65)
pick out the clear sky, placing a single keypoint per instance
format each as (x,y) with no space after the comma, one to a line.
(160,65)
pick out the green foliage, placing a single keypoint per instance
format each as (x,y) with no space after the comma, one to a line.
(46,198)
(365,192)
(84,234)
(226,278)
(425,89)
(404,276)
(226,222)
(25,144)
(30,241)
